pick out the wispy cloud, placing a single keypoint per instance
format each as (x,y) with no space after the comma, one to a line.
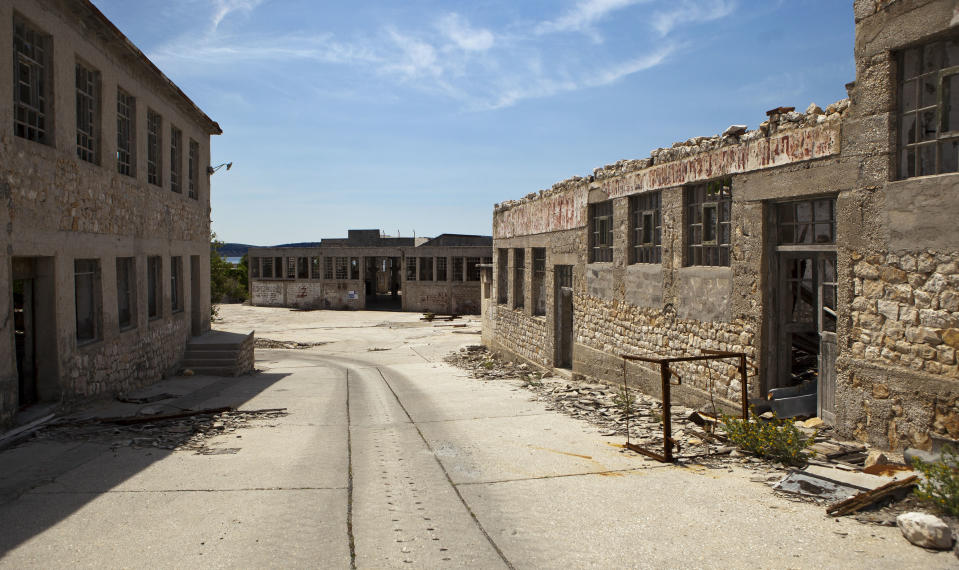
(583,15)
(223,8)
(455,28)
(691,11)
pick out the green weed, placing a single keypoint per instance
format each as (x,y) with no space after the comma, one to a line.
(778,440)
(940,484)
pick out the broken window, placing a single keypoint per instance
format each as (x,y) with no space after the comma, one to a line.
(291,267)
(708,213)
(328,268)
(354,268)
(441,269)
(86,281)
(315,267)
(126,292)
(472,269)
(31,90)
(502,275)
(539,280)
(267,267)
(254,267)
(426,269)
(88,110)
(929,109)
(154,144)
(278,267)
(302,268)
(154,278)
(519,277)
(176,284)
(411,269)
(126,133)
(645,214)
(807,222)
(601,231)
(193,170)
(176,158)
(457,269)
(342,267)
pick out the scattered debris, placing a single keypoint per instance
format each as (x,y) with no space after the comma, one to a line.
(287,344)
(868,498)
(816,486)
(377,348)
(187,431)
(925,530)
(147,399)
(18,434)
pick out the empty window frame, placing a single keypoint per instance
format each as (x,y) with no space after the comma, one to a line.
(315,267)
(342,267)
(929,109)
(88,112)
(86,284)
(539,281)
(426,269)
(176,284)
(457,269)
(291,267)
(32,78)
(278,268)
(354,268)
(708,213)
(807,222)
(126,292)
(472,269)
(154,279)
(601,231)
(176,159)
(441,273)
(254,267)
(267,267)
(154,144)
(519,277)
(645,214)
(502,275)
(302,268)
(411,269)
(126,133)
(193,170)
(327,268)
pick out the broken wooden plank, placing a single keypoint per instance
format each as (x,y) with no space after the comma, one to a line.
(867,498)
(23,431)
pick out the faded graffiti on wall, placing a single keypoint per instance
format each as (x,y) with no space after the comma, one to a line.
(554,213)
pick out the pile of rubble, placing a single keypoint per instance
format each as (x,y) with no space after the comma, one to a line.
(286,344)
(835,470)
(180,431)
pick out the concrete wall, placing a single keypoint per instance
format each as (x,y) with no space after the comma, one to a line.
(60,208)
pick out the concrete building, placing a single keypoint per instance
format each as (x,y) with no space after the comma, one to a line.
(822,244)
(370,271)
(104,209)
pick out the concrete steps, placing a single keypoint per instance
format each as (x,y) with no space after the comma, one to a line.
(219,353)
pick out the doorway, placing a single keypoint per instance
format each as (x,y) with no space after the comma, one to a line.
(196,315)
(24,332)
(563,333)
(382,283)
(807,331)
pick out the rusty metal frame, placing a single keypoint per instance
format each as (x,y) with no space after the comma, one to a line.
(665,374)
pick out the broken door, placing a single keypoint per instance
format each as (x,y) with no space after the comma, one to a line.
(24,332)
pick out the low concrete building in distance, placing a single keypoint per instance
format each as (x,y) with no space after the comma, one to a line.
(368,270)
(823,245)
(104,209)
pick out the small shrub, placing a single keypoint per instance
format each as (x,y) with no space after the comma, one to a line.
(778,440)
(626,404)
(940,482)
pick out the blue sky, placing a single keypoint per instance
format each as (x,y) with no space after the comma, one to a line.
(419,115)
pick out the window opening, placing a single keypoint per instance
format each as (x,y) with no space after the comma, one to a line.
(708,212)
(472,269)
(539,280)
(154,296)
(441,274)
(929,109)
(519,278)
(126,133)
(154,144)
(87,298)
(646,217)
(193,172)
(601,231)
(176,158)
(126,292)
(31,61)
(88,104)
(807,222)
(176,284)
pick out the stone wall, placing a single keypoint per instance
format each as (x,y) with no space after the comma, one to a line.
(524,336)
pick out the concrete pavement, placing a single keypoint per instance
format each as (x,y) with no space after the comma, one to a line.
(390,458)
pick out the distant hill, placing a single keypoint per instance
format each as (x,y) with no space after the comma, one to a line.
(234,249)
(300,244)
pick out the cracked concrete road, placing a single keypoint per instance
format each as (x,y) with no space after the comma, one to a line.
(388,457)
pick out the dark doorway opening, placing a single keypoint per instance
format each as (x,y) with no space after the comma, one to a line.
(383,284)
(196,314)
(563,333)
(35,337)
(24,332)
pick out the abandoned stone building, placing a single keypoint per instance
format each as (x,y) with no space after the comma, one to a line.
(822,244)
(367,270)
(104,209)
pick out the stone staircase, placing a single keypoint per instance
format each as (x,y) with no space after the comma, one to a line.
(219,353)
